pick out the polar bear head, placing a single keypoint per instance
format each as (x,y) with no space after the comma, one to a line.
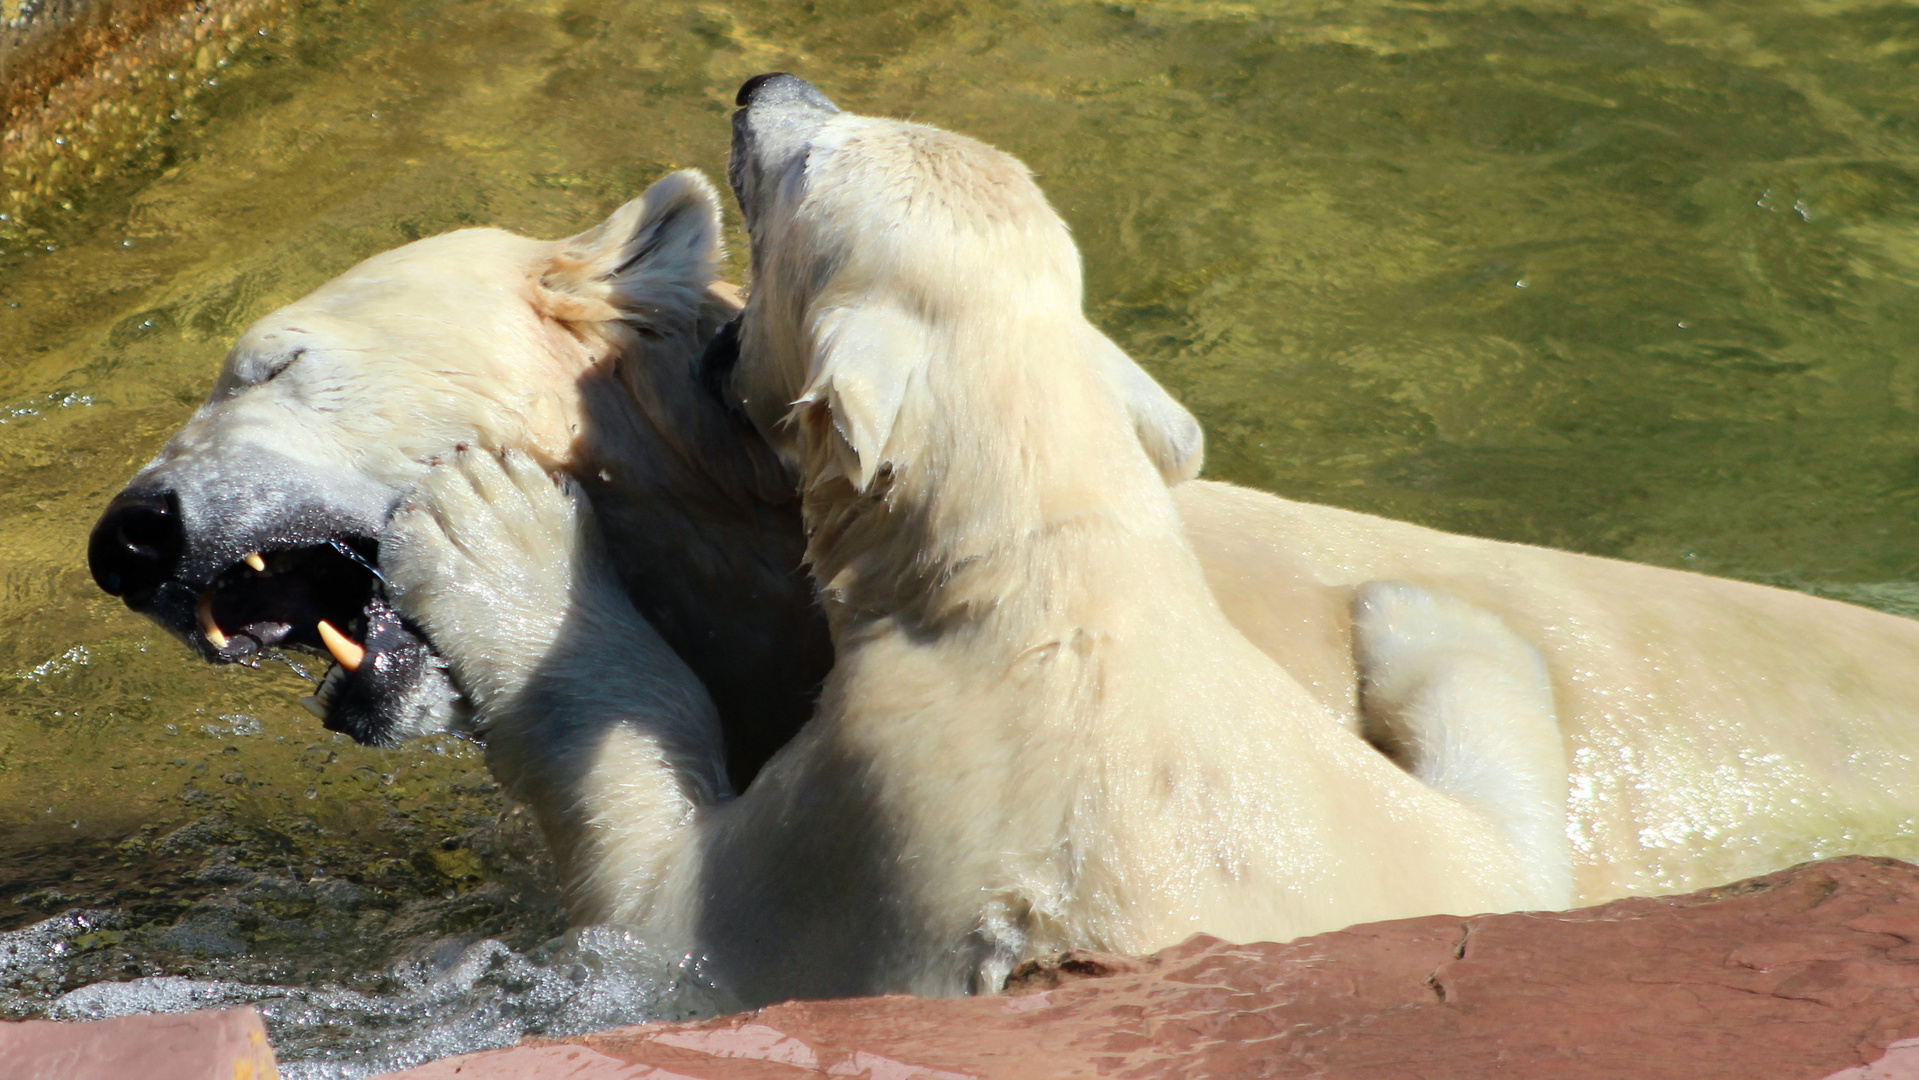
(875,242)
(257,525)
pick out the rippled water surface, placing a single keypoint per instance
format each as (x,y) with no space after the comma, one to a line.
(1629,278)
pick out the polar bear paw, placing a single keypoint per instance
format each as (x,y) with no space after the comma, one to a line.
(1463,703)
(492,557)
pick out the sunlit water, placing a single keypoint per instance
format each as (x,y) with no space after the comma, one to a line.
(1628,278)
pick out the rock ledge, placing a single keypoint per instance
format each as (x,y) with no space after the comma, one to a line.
(1809,973)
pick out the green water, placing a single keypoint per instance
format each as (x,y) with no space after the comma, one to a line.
(1636,279)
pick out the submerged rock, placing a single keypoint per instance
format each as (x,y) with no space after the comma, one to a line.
(1809,973)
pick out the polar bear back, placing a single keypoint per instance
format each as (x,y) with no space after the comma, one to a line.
(1715,729)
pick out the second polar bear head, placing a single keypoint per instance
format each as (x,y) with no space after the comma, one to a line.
(869,235)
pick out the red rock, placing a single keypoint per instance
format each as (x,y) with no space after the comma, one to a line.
(229,1044)
(1810,973)
(1901,1062)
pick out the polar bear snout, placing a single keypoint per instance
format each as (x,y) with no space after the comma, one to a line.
(778,117)
(224,549)
(777,89)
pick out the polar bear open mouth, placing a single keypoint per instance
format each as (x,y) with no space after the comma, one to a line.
(386,682)
(317,597)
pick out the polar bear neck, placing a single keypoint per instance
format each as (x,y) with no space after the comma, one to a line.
(1014,489)
(706,532)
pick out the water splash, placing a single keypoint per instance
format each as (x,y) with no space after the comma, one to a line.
(450,996)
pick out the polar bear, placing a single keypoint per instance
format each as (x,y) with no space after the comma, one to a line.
(1061,741)
(1714,729)
(259,520)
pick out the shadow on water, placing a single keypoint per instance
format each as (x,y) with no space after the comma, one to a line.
(1632,278)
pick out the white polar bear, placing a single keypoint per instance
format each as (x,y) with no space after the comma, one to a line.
(1715,729)
(260,519)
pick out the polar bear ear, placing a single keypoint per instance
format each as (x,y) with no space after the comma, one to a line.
(1169,433)
(867,359)
(649,263)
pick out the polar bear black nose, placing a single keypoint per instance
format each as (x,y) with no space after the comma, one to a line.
(777,88)
(137,543)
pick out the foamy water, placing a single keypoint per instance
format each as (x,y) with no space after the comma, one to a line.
(451,996)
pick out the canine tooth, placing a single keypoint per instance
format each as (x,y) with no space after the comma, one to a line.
(207,626)
(254,560)
(344,649)
(312,704)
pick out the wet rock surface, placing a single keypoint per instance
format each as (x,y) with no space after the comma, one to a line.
(196,1046)
(1812,972)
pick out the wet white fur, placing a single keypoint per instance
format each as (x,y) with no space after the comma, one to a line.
(589,717)
(596,723)
(1465,705)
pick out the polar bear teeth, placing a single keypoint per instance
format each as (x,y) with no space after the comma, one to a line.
(345,650)
(262,600)
(204,612)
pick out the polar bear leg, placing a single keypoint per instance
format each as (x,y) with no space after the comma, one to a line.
(588,715)
(1462,703)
